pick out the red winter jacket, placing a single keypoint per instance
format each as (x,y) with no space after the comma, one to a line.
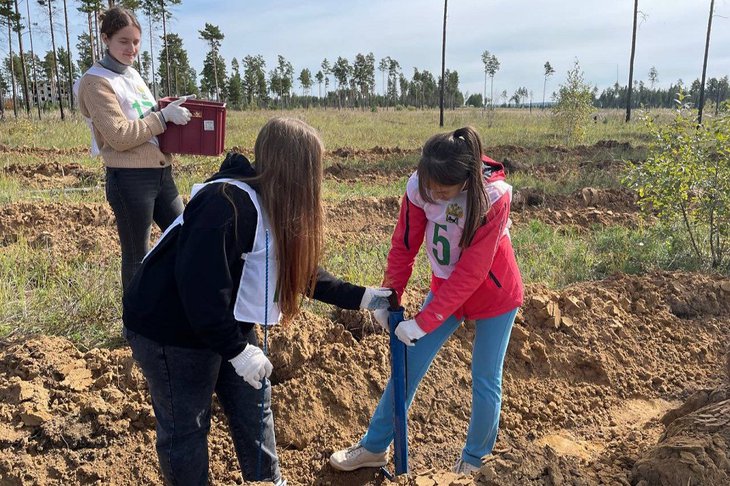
(485,281)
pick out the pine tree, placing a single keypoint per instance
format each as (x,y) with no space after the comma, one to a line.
(213,35)
(235,86)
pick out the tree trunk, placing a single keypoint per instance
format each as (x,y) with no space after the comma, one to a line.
(92,39)
(215,74)
(152,56)
(704,64)
(22,63)
(32,62)
(491,93)
(443,68)
(167,51)
(99,53)
(544,88)
(631,63)
(484,101)
(68,61)
(12,70)
(55,58)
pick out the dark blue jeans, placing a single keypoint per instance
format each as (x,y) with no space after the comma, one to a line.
(181,382)
(137,197)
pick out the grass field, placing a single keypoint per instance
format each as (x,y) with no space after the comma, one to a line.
(76,294)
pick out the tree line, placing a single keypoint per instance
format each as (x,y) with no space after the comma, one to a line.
(248,82)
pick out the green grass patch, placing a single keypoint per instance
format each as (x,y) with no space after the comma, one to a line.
(77,298)
(355,128)
(560,256)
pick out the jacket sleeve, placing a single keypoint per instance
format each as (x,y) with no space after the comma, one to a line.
(404,245)
(97,98)
(209,265)
(332,290)
(470,271)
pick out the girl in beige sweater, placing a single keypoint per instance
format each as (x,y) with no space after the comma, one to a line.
(124,123)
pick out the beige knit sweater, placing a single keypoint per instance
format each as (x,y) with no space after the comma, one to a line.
(122,142)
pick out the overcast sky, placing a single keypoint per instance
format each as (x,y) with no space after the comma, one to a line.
(522,34)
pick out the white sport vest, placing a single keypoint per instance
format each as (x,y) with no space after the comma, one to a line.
(132,92)
(445,224)
(252,289)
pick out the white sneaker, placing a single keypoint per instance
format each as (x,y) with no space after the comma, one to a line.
(462,467)
(356,456)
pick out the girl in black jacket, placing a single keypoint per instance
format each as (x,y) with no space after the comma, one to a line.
(245,250)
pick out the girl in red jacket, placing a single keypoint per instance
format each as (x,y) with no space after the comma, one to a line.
(459,201)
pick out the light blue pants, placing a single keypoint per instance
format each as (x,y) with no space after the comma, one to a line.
(490,346)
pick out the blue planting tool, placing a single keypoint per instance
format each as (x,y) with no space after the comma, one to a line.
(398,372)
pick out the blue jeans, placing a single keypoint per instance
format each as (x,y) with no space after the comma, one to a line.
(490,346)
(181,382)
(137,197)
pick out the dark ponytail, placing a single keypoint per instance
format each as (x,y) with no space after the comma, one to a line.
(455,158)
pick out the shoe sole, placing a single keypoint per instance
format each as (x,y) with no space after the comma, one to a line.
(339,467)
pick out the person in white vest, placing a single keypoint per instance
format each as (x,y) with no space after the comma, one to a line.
(245,250)
(121,113)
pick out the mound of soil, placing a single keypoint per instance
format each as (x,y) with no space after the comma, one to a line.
(50,175)
(68,228)
(45,151)
(365,219)
(584,208)
(695,447)
(589,373)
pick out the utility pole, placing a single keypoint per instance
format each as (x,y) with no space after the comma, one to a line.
(443,69)
(704,64)
(631,64)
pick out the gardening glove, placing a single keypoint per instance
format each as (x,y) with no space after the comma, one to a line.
(252,365)
(409,332)
(174,113)
(381,317)
(375,298)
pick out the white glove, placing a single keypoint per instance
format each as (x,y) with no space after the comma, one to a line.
(252,365)
(375,298)
(174,113)
(381,317)
(409,332)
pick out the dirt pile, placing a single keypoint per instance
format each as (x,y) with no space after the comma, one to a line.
(695,447)
(67,228)
(589,373)
(54,174)
(583,208)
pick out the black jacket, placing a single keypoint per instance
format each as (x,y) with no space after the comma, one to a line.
(185,290)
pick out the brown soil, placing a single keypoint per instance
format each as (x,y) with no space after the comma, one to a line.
(45,151)
(584,208)
(63,228)
(590,372)
(51,175)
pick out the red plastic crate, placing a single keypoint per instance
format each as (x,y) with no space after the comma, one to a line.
(205,133)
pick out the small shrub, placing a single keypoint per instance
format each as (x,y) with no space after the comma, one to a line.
(686,178)
(573,106)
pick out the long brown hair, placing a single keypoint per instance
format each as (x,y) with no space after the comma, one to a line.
(288,163)
(455,158)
